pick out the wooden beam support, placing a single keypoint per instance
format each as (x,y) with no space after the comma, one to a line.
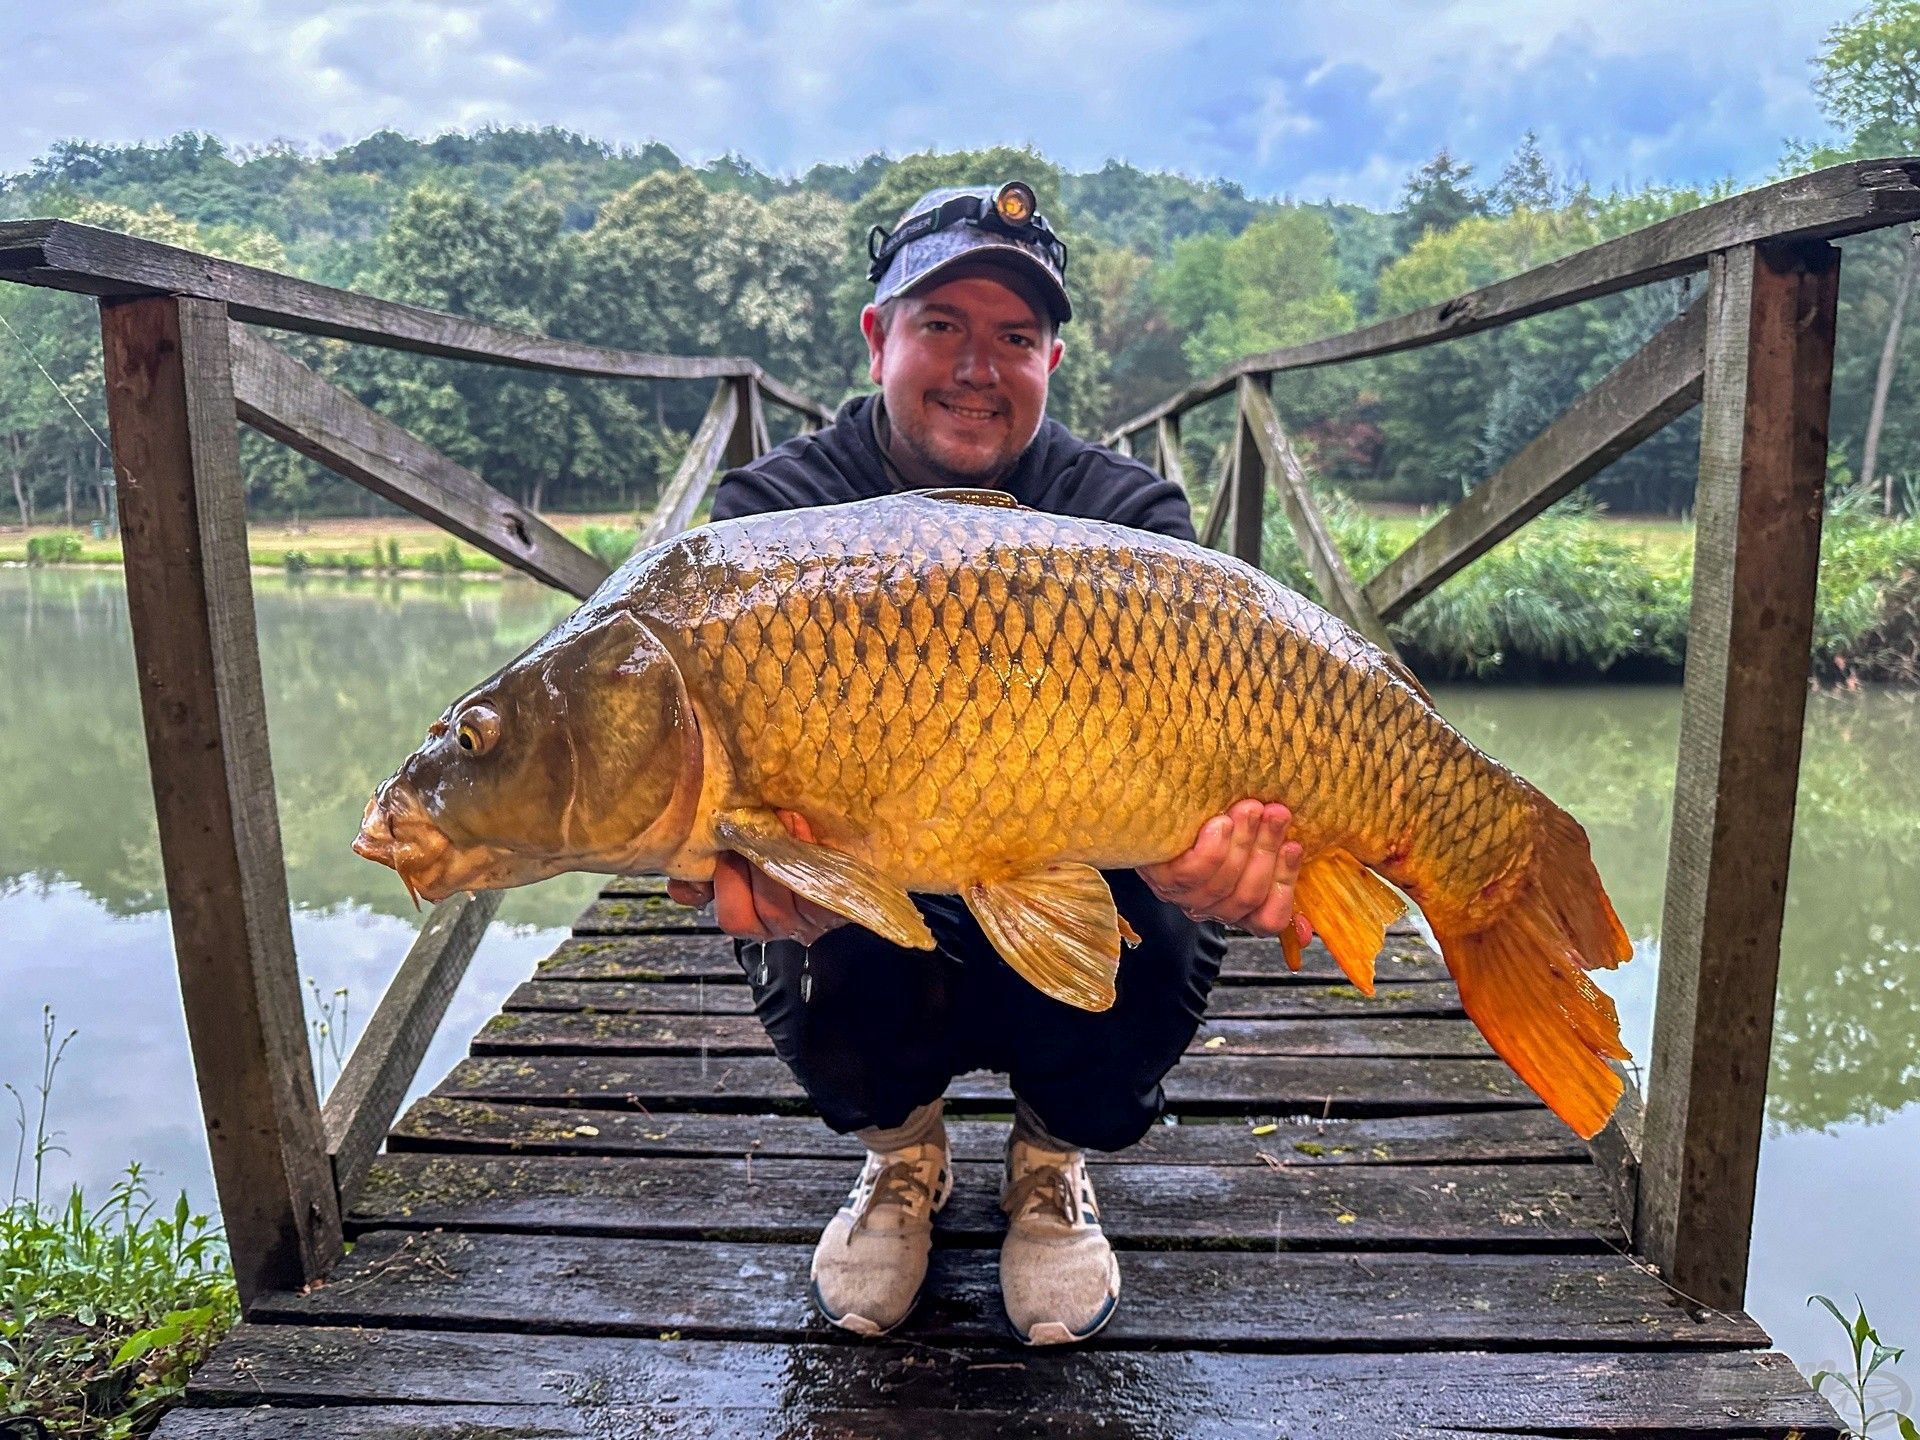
(1248,510)
(748,439)
(1840,200)
(279,396)
(1763,454)
(1647,391)
(387,1056)
(690,482)
(1339,591)
(1221,505)
(176,458)
(65,256)
(1166,438)
(1123,445)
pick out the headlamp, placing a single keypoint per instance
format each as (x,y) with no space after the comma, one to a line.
(1012,210)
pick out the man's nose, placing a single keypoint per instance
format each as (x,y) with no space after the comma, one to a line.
(975,365)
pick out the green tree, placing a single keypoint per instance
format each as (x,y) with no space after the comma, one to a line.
(1438,197)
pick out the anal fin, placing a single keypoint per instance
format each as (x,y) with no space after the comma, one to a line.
(1057,927)
(829,878)
(1350,907)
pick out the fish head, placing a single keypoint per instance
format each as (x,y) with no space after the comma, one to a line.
(583,754)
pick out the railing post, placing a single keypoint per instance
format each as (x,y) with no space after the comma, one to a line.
(1249,479)
(749,439)
(1166,446)
(1763,451)
(176,458)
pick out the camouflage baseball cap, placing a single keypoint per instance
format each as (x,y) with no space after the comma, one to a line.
(1037,255)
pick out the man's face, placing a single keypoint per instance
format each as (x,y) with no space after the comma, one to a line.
(964,368)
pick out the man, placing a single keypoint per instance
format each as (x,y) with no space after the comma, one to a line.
(962,336)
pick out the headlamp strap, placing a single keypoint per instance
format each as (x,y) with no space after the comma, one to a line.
(883,244)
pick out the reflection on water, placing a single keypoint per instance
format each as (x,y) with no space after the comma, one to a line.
(1847,1026)
(355,670)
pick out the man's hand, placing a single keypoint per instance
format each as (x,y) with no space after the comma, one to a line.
(751,905)
(1241,869)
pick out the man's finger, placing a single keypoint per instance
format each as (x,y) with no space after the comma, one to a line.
(1276,911)
(1172,879)
(1255,886)
(1208,895)
(691,893)
(733,907)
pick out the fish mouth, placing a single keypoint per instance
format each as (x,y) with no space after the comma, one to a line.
(396,831)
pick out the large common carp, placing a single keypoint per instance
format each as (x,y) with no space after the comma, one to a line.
(965,696)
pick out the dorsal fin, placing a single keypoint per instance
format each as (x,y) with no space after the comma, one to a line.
(978,495)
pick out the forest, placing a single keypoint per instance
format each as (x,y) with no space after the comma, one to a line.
(1173,276)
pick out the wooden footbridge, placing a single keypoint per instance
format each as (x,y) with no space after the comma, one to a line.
(599,1224)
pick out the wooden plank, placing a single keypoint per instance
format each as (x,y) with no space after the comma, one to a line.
(1123,445)
(683,494)
(280,397)
(441,1124)
(1656,385)
(176,460)
(1339,591)
(1247,513)
(1198,1085)
(387,1056)
(692,956)
(1483,1208)
(1840,200)
(658,1385)
(603,1033)
(1228,1002)
(66,256)
(1763,454)
(1287,1301)
(1167,451)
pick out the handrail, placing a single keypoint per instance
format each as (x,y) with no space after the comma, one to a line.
(62,255)
(1840,200)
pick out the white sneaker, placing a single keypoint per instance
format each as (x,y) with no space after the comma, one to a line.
(872,1257)
(1059,1278)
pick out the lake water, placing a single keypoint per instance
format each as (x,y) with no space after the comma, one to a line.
(355,669)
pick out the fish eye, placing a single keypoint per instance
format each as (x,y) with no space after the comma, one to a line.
(478,730)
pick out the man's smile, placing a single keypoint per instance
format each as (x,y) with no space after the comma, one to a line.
(975,413)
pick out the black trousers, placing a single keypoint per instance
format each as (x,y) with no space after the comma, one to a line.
(879,1030)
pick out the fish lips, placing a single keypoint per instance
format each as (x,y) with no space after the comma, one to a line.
(397,832)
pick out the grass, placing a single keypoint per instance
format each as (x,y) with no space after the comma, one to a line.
(1858,1388)
(104,1309)
(340,545)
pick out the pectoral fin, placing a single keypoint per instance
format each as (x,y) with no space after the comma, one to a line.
(1057,927)
(1350,907)
(829,878)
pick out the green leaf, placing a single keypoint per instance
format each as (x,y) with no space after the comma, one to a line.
(1908,1430)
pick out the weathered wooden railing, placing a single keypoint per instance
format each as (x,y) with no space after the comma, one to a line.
(1756,352)
(183,368)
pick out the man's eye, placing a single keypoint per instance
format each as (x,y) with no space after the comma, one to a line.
(939,325)
(1025,342)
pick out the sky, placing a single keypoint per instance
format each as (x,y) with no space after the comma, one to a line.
(1314,100)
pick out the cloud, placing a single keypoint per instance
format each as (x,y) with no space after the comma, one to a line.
(1339,99)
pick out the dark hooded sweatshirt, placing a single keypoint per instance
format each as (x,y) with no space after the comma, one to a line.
(1058,472)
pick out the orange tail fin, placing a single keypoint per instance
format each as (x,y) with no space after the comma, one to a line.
(1350,907)
(1521,981)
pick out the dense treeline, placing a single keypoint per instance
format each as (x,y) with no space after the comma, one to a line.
(1173,277)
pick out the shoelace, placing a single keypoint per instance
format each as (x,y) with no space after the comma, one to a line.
(1043,1187)
(898,1183)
